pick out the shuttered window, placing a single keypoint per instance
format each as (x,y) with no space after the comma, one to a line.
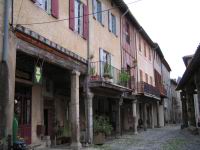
(112,23)
(50,6)
(99,13)
(79,19)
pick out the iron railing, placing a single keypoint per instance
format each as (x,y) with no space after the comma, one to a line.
(144,87)
(103,71)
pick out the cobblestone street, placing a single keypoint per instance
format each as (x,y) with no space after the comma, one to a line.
(167,138)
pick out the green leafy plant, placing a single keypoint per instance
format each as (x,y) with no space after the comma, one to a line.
(101,125)
(107,70)
(124,77)
(92,71)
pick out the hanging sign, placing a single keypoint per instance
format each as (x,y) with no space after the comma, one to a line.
(38,75)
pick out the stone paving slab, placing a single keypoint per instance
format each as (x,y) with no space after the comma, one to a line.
(166,138)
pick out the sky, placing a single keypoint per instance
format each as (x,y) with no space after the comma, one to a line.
(173,24)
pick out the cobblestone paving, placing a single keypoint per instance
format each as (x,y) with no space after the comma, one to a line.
(167,138)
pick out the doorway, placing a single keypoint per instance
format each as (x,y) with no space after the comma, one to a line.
(23,110)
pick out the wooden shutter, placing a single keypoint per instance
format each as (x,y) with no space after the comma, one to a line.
(94,8)
(101,63)
(103,14)
(71,15)
(49,6)
(85,22)
(54,8)
(109,21)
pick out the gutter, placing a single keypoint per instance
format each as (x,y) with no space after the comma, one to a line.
(6,30)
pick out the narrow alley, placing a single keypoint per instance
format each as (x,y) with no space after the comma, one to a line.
(167,138)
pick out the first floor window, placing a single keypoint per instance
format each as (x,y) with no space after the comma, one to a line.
(113,24)
(79,17)
(45,5)
(99,10)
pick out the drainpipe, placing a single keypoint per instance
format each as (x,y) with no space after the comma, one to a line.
(6,30)
(121,17)
(88,140)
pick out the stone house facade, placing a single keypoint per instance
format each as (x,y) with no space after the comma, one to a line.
(70,61)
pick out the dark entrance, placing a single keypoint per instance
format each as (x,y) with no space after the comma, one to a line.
(23,107)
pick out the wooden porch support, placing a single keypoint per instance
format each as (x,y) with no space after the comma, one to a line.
(134,104)
(197,83)
(152,116)
(118,126)
(191,108)
(75,126)
(184,110)
(145,116)
(158,114)
(89,117)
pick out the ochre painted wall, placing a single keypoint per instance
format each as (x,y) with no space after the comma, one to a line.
(57,32)
(100,37)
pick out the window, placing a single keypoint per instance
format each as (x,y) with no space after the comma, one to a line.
(112,23)
(127,33)
(45,5)
(141,75)
(146,77)
(78,17)
(99,9)
(149,53)
(145,50)
(140,42)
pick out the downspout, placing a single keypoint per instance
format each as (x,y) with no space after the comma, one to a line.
(6,30)
(88,140)
(121,17)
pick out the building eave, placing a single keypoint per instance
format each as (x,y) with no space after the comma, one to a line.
(191,68)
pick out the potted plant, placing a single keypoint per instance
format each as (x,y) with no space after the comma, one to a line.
(107,72)
(102,128)
(124,77)
(93,76)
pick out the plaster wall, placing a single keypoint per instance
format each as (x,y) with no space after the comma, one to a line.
(144,63)
(101,37)
(58,32)
(37,112)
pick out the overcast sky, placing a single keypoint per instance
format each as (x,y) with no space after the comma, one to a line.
(173,24)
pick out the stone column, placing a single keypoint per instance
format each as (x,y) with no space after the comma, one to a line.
(134,104)
(191,108)
(152,116)
(145,116)
(184,110)
(75,126)
(89,117)
(158,115)
(7,92)
(118,126)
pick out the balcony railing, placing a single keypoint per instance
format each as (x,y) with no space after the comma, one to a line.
(144,87)
(103,71)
